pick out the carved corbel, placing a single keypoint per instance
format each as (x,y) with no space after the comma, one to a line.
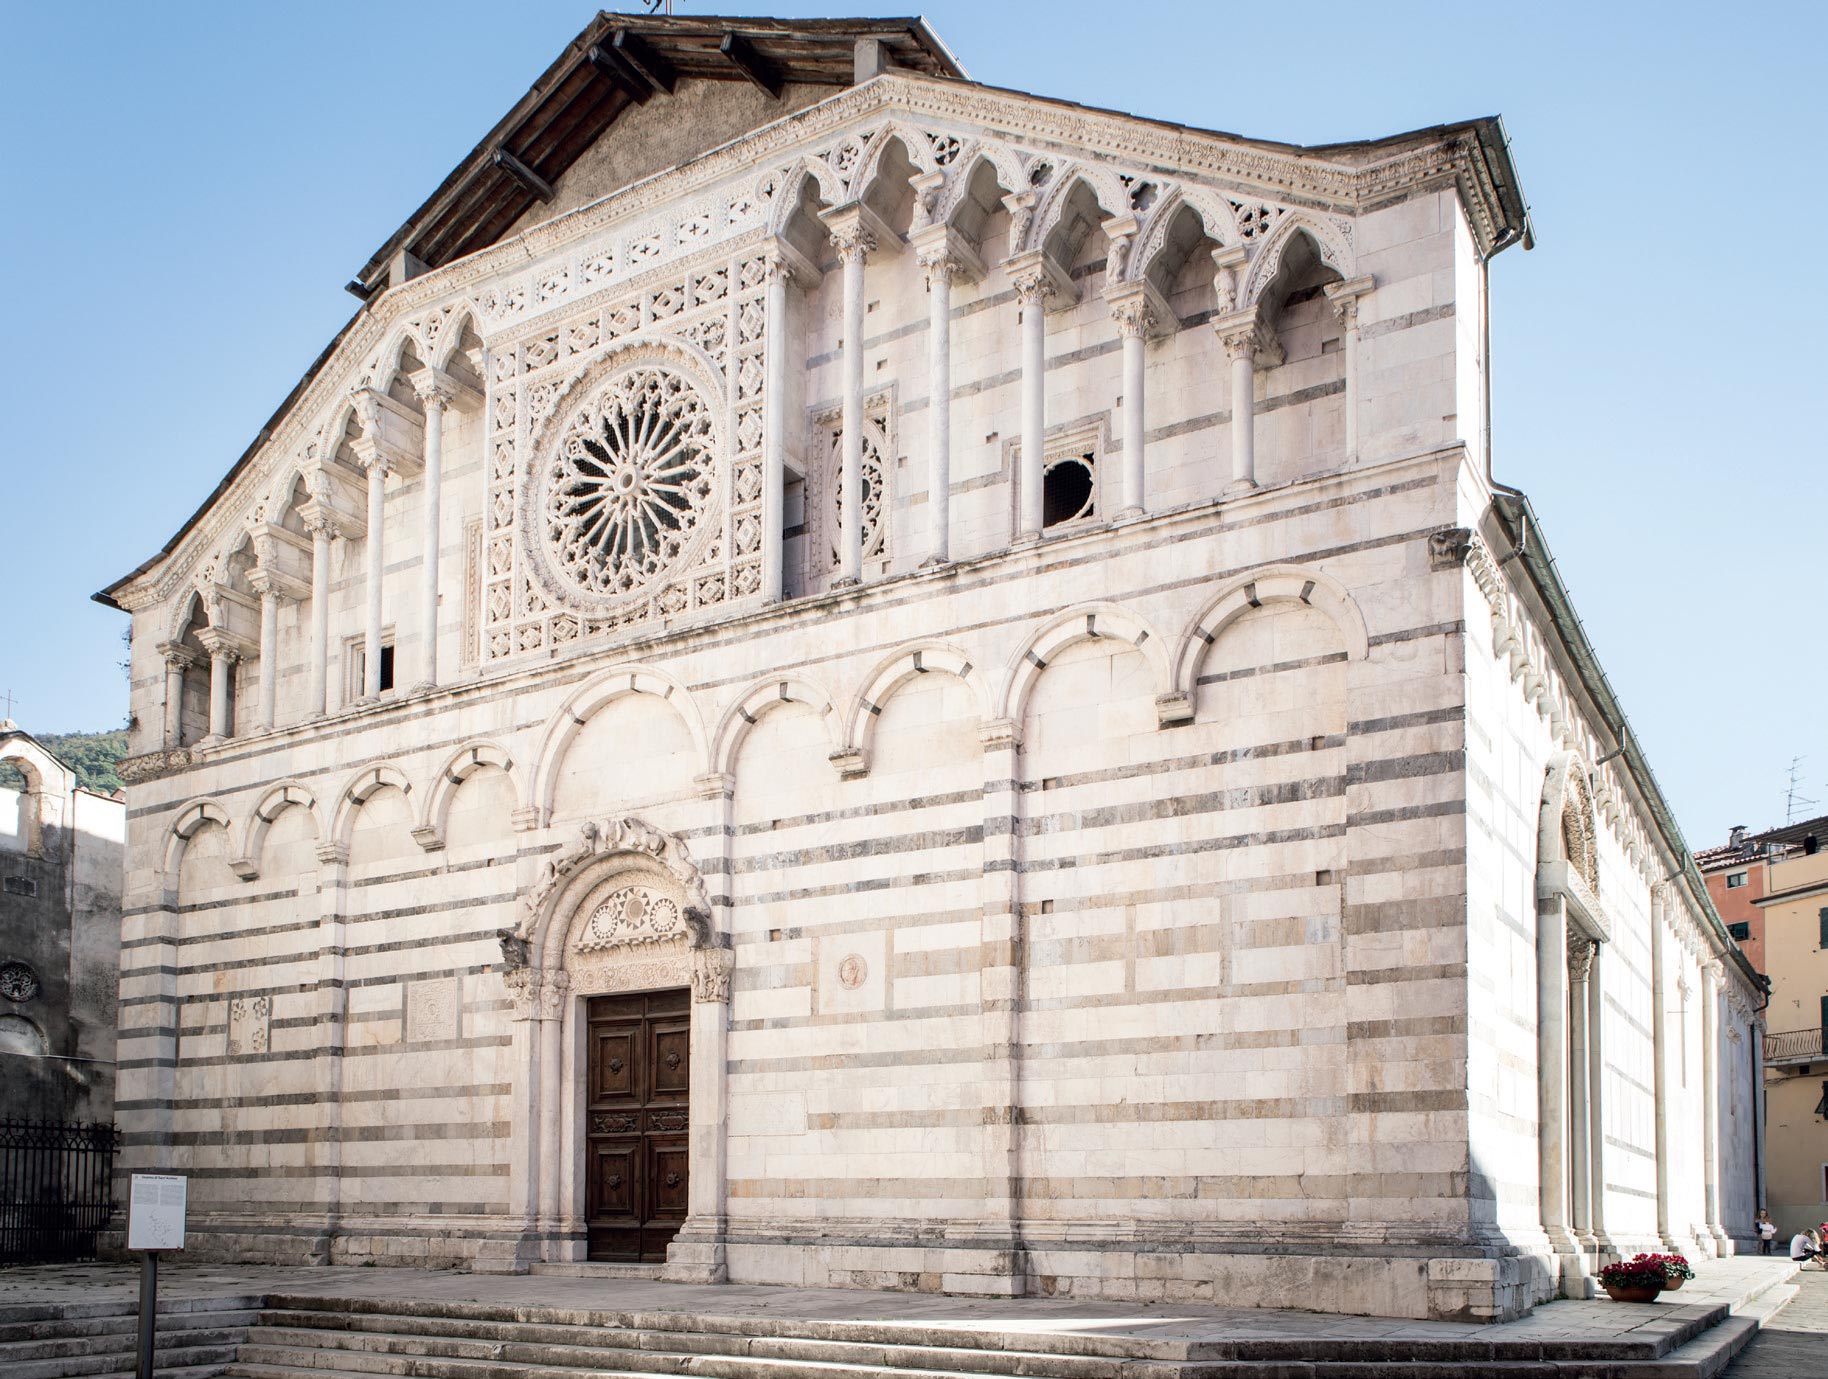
(1228,267)
(1121,231)
(1000,735)
(1172,710)
(715,785)
(851,763)
(1344,297)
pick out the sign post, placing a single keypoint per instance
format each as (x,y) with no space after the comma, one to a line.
(155,1223)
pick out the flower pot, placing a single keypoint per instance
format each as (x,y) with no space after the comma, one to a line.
(1673,1282)
(1632,1293)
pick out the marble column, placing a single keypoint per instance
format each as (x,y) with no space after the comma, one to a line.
(377,467)
(1000,944)
(178,659)
(1345,297)
(321,527)
(554,996)
(1033,285)
(941,270)
(1135,315)
(436,396)
(774,430)
(1659,1040)
(1595,1040)
(1579,1137)
(1552,1070)
(1241,339)
(854,243)
(270,600)
(1710,1098)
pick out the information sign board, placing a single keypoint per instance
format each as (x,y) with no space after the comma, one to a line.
(155,1212)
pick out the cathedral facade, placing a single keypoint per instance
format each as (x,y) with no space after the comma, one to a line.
(849,678)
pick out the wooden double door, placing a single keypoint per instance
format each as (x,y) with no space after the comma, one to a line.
(640,1073)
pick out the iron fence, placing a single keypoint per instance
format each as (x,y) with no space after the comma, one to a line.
(56,1189)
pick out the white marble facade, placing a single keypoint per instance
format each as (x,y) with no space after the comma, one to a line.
(1160,897)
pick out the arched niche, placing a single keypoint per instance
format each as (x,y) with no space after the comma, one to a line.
(1567,845)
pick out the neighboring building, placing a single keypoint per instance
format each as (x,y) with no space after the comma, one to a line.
(1735,876)
(62,851)
(1778,882)
(846,677)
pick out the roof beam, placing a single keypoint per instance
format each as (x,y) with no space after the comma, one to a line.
(523,174)
(743,55)
(611,64)
(645,60)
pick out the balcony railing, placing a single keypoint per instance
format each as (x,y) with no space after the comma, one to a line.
(1797,1046)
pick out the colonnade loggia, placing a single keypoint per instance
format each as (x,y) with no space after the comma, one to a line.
(945,257)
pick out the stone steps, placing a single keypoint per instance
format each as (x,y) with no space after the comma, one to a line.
(193,1339)
(326,1338)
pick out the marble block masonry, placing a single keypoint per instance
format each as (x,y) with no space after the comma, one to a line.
(848,678)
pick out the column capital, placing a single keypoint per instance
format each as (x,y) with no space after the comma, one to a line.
(857,232)
(1581,950)
(177,657)
(392,433)
(322,519)
(270,583)
(1243,335)
(1344,297)
(943,251)
(1036,278)
(222,646)
(437,389)
(781,260)
(1140,311)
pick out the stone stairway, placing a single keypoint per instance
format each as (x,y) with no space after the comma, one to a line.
(311,1337)
(194,1338)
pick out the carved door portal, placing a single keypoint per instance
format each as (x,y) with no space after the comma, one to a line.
(635,1141)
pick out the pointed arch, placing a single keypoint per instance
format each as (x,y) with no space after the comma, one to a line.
(585,702)
(1105,188)
(1161,234)
(789,195)
(1333,249)
(458,767)
(1088,622)
(901,666)
(449,338)
(762,696)
(1271,584)
(356,793)
(915,147)
(190,818)
(286,795)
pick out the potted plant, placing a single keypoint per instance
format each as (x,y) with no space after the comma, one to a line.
(1639,1279)
(1676,1271)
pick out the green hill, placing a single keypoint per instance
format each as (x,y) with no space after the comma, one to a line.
(92,756)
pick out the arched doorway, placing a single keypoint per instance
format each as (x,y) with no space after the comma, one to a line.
(621,990)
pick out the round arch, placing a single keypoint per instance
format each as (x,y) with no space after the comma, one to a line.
(458,767)
(1272,584)
(761,697)
(901,666)
(286,795)
(1088,622)
(584,703)
(190,818)
(356,793)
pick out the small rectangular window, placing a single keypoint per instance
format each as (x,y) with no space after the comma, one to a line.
(21,885)
(1741,931)
(1823,916)
(387,667)
(1735,880)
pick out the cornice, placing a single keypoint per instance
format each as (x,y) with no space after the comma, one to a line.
(1070,132)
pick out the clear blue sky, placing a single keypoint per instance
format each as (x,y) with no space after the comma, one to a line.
(189,186)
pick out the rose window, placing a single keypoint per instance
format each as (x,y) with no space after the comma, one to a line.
(631,482)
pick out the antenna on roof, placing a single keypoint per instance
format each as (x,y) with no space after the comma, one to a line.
(659,6)
(1793,798)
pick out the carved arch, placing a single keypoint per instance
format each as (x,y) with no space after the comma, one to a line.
(915,145)
(585,702)
(357,792)
(1088,622)
(457,768)
(1567,831)
(1217,220)
(191,817)
(892,673)
(450,336)
(1334,249)
(286,795)
(789,195)
(1105,186)
(762,696)
(1271,584)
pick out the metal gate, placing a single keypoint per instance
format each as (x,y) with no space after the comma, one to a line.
(56,1189)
